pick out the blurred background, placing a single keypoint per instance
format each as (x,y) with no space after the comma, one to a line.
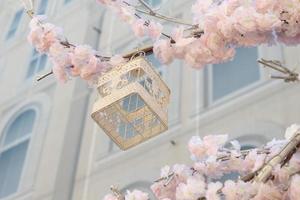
(51,149)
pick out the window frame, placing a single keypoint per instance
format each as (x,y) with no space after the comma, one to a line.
(27,138)
(14,25)
(42,104)
(39,7)
(67,2)
(36,57)
(152,3)
(209,94)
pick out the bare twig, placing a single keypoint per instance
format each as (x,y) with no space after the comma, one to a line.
(39,78)
(243,154)
(289,76)
(117,193)
(153,13)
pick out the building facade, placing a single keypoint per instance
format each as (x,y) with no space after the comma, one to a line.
(51,149)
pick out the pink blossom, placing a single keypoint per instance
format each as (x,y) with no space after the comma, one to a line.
(210,168)
(37,21)
(230,6)
(245,20)
(234,164)
(110,197)
(86,63)
(267,22)
(267,192)
(163,191)
(60,56)
(294,192)
(166,188)
(154,30)
(60,73)
(253,39)
(201,7)
(289,40)
(226,28)
(163,50)
(106,2)
(208,146)
(198,55)
(295,161)
(213,190)
(117,60)
(42,37)
(239,190)
(291,131)
(264,6)
(230,190)
(81,56)
(181,42)
(136,195)
(139,28)
(281,176)
(253,161)
(193,189)
(126,13)
(94,66)
(214,41)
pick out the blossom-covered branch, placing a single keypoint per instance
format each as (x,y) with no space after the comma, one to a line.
(203,180)
(224,26)
(218,29)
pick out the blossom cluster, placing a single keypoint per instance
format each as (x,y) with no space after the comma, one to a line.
(226,25)
(219,28)
(215,159)
(134,195)
(230,24)
(141,27)
(68,60)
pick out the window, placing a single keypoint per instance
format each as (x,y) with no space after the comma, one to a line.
(242,71)
(67,1)
(13,149)
(156,64)
(153,3)
(14,24)
(37,63)
(42,7)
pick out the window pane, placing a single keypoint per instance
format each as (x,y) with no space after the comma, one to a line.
(234,75)
(247,147)
(14,25)
(154,2)
(42,62)
(22,126)
(35,53)
(67,1)
(11,165)
(155,63)
(32,68)
(42,7)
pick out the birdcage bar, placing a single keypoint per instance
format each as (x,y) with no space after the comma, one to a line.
(133,103)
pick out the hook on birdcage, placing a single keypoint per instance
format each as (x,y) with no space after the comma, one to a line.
(138,53)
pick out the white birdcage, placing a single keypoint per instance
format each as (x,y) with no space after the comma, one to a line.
(133,103)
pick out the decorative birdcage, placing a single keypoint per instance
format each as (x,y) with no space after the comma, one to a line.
(132,107)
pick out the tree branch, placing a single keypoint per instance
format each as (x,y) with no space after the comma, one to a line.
(282,157)
(290,76)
